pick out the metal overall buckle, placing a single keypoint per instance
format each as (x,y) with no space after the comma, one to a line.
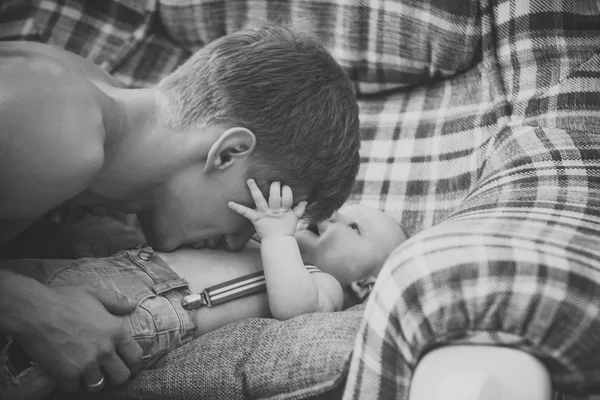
(196,300)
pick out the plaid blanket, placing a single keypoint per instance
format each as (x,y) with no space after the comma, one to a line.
(479,122)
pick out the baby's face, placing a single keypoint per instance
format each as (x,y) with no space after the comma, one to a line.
(352,244)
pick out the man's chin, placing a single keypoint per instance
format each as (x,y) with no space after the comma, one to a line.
(160,247)
(154,238)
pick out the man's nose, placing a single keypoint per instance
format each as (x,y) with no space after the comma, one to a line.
(236,241)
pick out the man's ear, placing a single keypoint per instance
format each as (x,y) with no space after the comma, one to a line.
(362,288)
(233,145)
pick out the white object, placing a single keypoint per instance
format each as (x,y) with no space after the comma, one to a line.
(480,373)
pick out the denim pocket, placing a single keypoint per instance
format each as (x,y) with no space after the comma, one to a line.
(155,320)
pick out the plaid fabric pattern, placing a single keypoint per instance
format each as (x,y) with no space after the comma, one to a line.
(517,263)
(116,35)
(486,153)
(141,41)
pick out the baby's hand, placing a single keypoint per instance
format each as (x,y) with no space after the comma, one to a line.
(275,218)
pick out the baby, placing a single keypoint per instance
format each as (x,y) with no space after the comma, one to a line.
(348,251)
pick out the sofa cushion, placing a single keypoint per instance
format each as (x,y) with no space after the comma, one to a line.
(383,45)
(256,358)
(516,264)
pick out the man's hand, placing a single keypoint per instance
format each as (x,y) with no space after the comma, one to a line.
(70,332)
(275,218)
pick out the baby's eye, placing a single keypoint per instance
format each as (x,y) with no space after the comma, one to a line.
(354,226)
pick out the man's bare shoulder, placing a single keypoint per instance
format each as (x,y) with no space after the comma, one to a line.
(44,53)
(29,76)
(51,136)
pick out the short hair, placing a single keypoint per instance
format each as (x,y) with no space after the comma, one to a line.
(286,88)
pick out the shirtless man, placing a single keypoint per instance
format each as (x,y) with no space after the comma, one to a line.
(265,102)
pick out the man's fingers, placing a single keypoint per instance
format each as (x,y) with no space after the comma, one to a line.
(275,196)
(287,198)
(300,208)
(259,199)
(115,369)
(131,354)
(114,302)
(69,384)
(242,210)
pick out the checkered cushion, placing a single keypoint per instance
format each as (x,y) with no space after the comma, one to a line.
(139,41)
(516,265)
(486,153)
(517,262)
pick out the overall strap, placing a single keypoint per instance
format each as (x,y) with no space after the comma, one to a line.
(232,289)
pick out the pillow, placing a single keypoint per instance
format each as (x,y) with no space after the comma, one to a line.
(382,45)
(517,265)
(256,358)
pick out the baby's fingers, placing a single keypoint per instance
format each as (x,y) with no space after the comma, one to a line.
(243,210)
(275,196)
(287,198)
(259,199)
(300,208)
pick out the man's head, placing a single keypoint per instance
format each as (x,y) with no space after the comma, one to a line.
(352,246)
(272,104)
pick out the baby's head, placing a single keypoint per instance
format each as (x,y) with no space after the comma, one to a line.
(352,246)
(283,86)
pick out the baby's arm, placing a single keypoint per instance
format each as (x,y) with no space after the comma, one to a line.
(331,295)
(290,288)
